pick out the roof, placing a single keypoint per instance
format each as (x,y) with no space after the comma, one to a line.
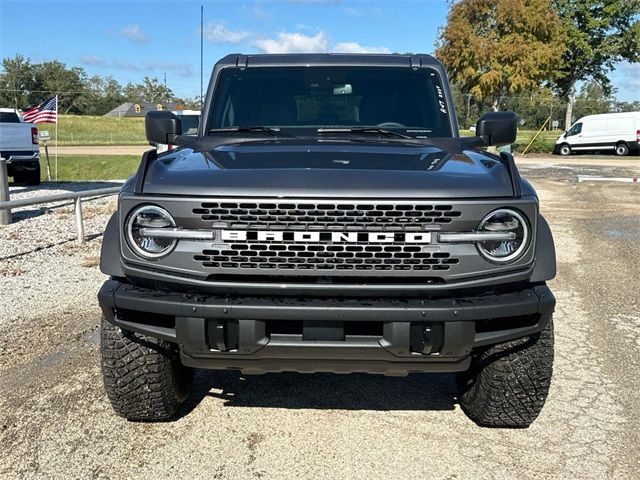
(140,109)
(312,59)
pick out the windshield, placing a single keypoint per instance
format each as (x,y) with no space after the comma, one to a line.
(297,99)
(9,117)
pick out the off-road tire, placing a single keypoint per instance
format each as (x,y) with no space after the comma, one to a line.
(143,376)
(508,383)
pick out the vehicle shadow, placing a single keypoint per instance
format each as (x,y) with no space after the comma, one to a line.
(324,391)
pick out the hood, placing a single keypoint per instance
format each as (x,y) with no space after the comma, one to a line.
(281,168)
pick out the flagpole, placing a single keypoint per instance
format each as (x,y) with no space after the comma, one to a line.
(56,137)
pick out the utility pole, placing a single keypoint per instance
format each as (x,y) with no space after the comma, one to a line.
(165,80)
(201,50)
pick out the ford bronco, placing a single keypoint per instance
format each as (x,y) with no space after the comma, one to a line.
(328,217)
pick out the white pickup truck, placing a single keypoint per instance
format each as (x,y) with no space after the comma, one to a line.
(19,146)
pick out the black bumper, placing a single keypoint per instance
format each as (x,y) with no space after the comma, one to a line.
(21,163)
(389,336)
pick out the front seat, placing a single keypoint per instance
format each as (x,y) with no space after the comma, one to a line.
(377,109)
(278,111)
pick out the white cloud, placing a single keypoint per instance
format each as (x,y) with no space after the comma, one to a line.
(294,43)
(92,60)
(217,32)
(353,47)
(133,33)
(180,69)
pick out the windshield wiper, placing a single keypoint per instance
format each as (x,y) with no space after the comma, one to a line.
(365,130)
(275,132)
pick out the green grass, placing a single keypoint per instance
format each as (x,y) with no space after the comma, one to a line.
(88,130)
(91,167)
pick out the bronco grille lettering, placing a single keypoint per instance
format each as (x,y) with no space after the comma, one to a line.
(315,237)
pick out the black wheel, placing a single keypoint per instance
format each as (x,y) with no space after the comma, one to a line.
(33,178)
(622,149)
(508,384)
(28,177)
(143,376)
(565,149)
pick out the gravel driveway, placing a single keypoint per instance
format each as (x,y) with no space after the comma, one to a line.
(55,420)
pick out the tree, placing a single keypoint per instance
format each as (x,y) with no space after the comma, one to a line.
(593,99)
(621,106)
(598,35)
(18,82)
(103,94)
(150,90)
(496,47)
(54,78)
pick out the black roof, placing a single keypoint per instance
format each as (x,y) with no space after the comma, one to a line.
(313,59)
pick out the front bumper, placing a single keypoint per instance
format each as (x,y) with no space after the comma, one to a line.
(271,334)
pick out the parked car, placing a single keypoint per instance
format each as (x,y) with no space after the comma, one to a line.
(609,132)
(328,217)
(19,146)
(190,119)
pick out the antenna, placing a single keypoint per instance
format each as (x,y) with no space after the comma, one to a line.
(201,49)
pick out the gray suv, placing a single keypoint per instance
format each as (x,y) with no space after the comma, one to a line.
(328,217)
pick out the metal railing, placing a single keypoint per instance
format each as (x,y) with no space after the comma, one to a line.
(6,205)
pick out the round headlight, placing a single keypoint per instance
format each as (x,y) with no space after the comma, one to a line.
(140,226)
(511,223)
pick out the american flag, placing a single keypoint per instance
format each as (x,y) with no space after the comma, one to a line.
(46,112)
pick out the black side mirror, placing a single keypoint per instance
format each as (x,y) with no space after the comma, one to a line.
(162,127)
(497,128)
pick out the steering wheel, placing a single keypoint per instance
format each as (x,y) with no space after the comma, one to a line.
(391,125)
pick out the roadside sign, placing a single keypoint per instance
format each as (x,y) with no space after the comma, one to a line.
(44,135)
(555,124)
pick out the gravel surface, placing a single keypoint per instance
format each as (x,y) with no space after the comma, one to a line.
(55,420)
(37,227)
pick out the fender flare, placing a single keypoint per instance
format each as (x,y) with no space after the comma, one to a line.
(545,267)
(110,252)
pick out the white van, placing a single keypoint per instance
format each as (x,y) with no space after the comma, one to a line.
(617,133)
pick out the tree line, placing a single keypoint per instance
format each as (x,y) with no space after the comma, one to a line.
(518,54)
(24,83)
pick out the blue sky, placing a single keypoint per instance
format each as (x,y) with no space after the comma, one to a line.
(131,39)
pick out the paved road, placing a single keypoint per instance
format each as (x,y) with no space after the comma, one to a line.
(101,150)
(56,422)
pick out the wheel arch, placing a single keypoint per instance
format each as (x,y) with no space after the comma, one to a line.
(110,252)
(545,268)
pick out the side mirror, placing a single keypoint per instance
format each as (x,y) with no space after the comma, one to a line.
(497,128)
(162,127)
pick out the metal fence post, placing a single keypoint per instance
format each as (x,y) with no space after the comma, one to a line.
(5,215)
(79,224)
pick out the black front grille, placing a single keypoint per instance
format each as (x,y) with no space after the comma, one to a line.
(269,255)
(284,255)
(326,215)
